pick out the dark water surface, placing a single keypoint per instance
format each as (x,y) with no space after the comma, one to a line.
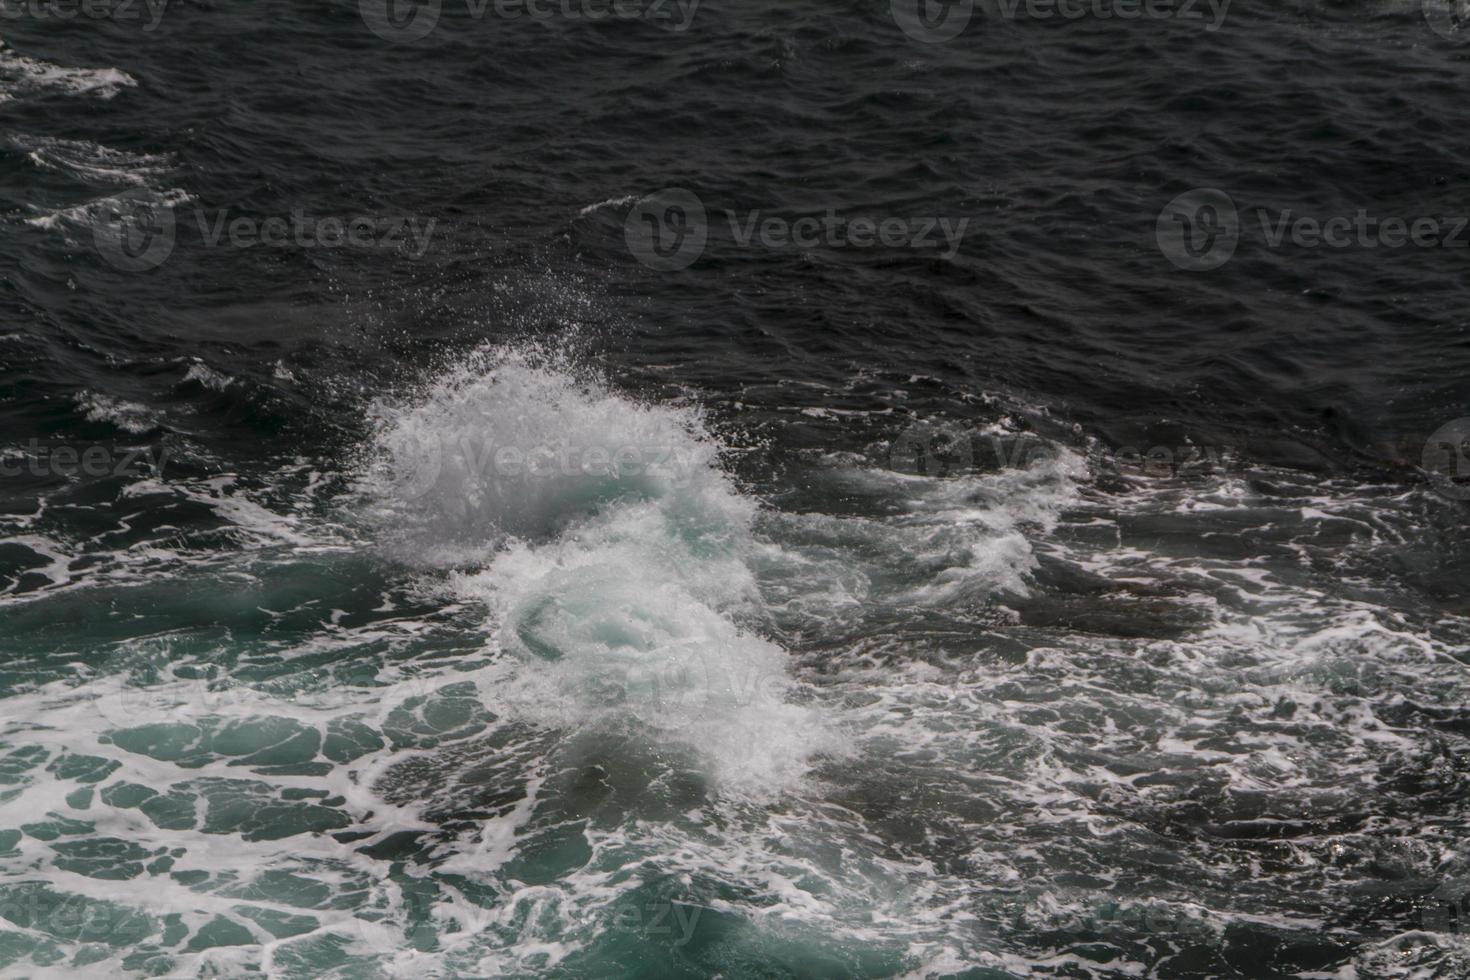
(448,527)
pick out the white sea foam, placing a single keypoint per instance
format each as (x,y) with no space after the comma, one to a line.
(611,202)
(207,376)
(130,417)
(91,162)
(21,76)
(586,693)
(85,215)
(618,577)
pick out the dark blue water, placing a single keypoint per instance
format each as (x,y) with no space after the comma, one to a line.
(734,489)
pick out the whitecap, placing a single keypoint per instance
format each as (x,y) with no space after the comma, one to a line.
(22,76)
(611,550)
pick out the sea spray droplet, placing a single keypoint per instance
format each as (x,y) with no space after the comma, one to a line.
(512,445)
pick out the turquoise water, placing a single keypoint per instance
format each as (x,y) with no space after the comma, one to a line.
(676,726)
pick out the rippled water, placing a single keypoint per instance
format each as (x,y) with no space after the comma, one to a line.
(521,590)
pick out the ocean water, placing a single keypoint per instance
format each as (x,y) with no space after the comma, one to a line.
(476,500)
